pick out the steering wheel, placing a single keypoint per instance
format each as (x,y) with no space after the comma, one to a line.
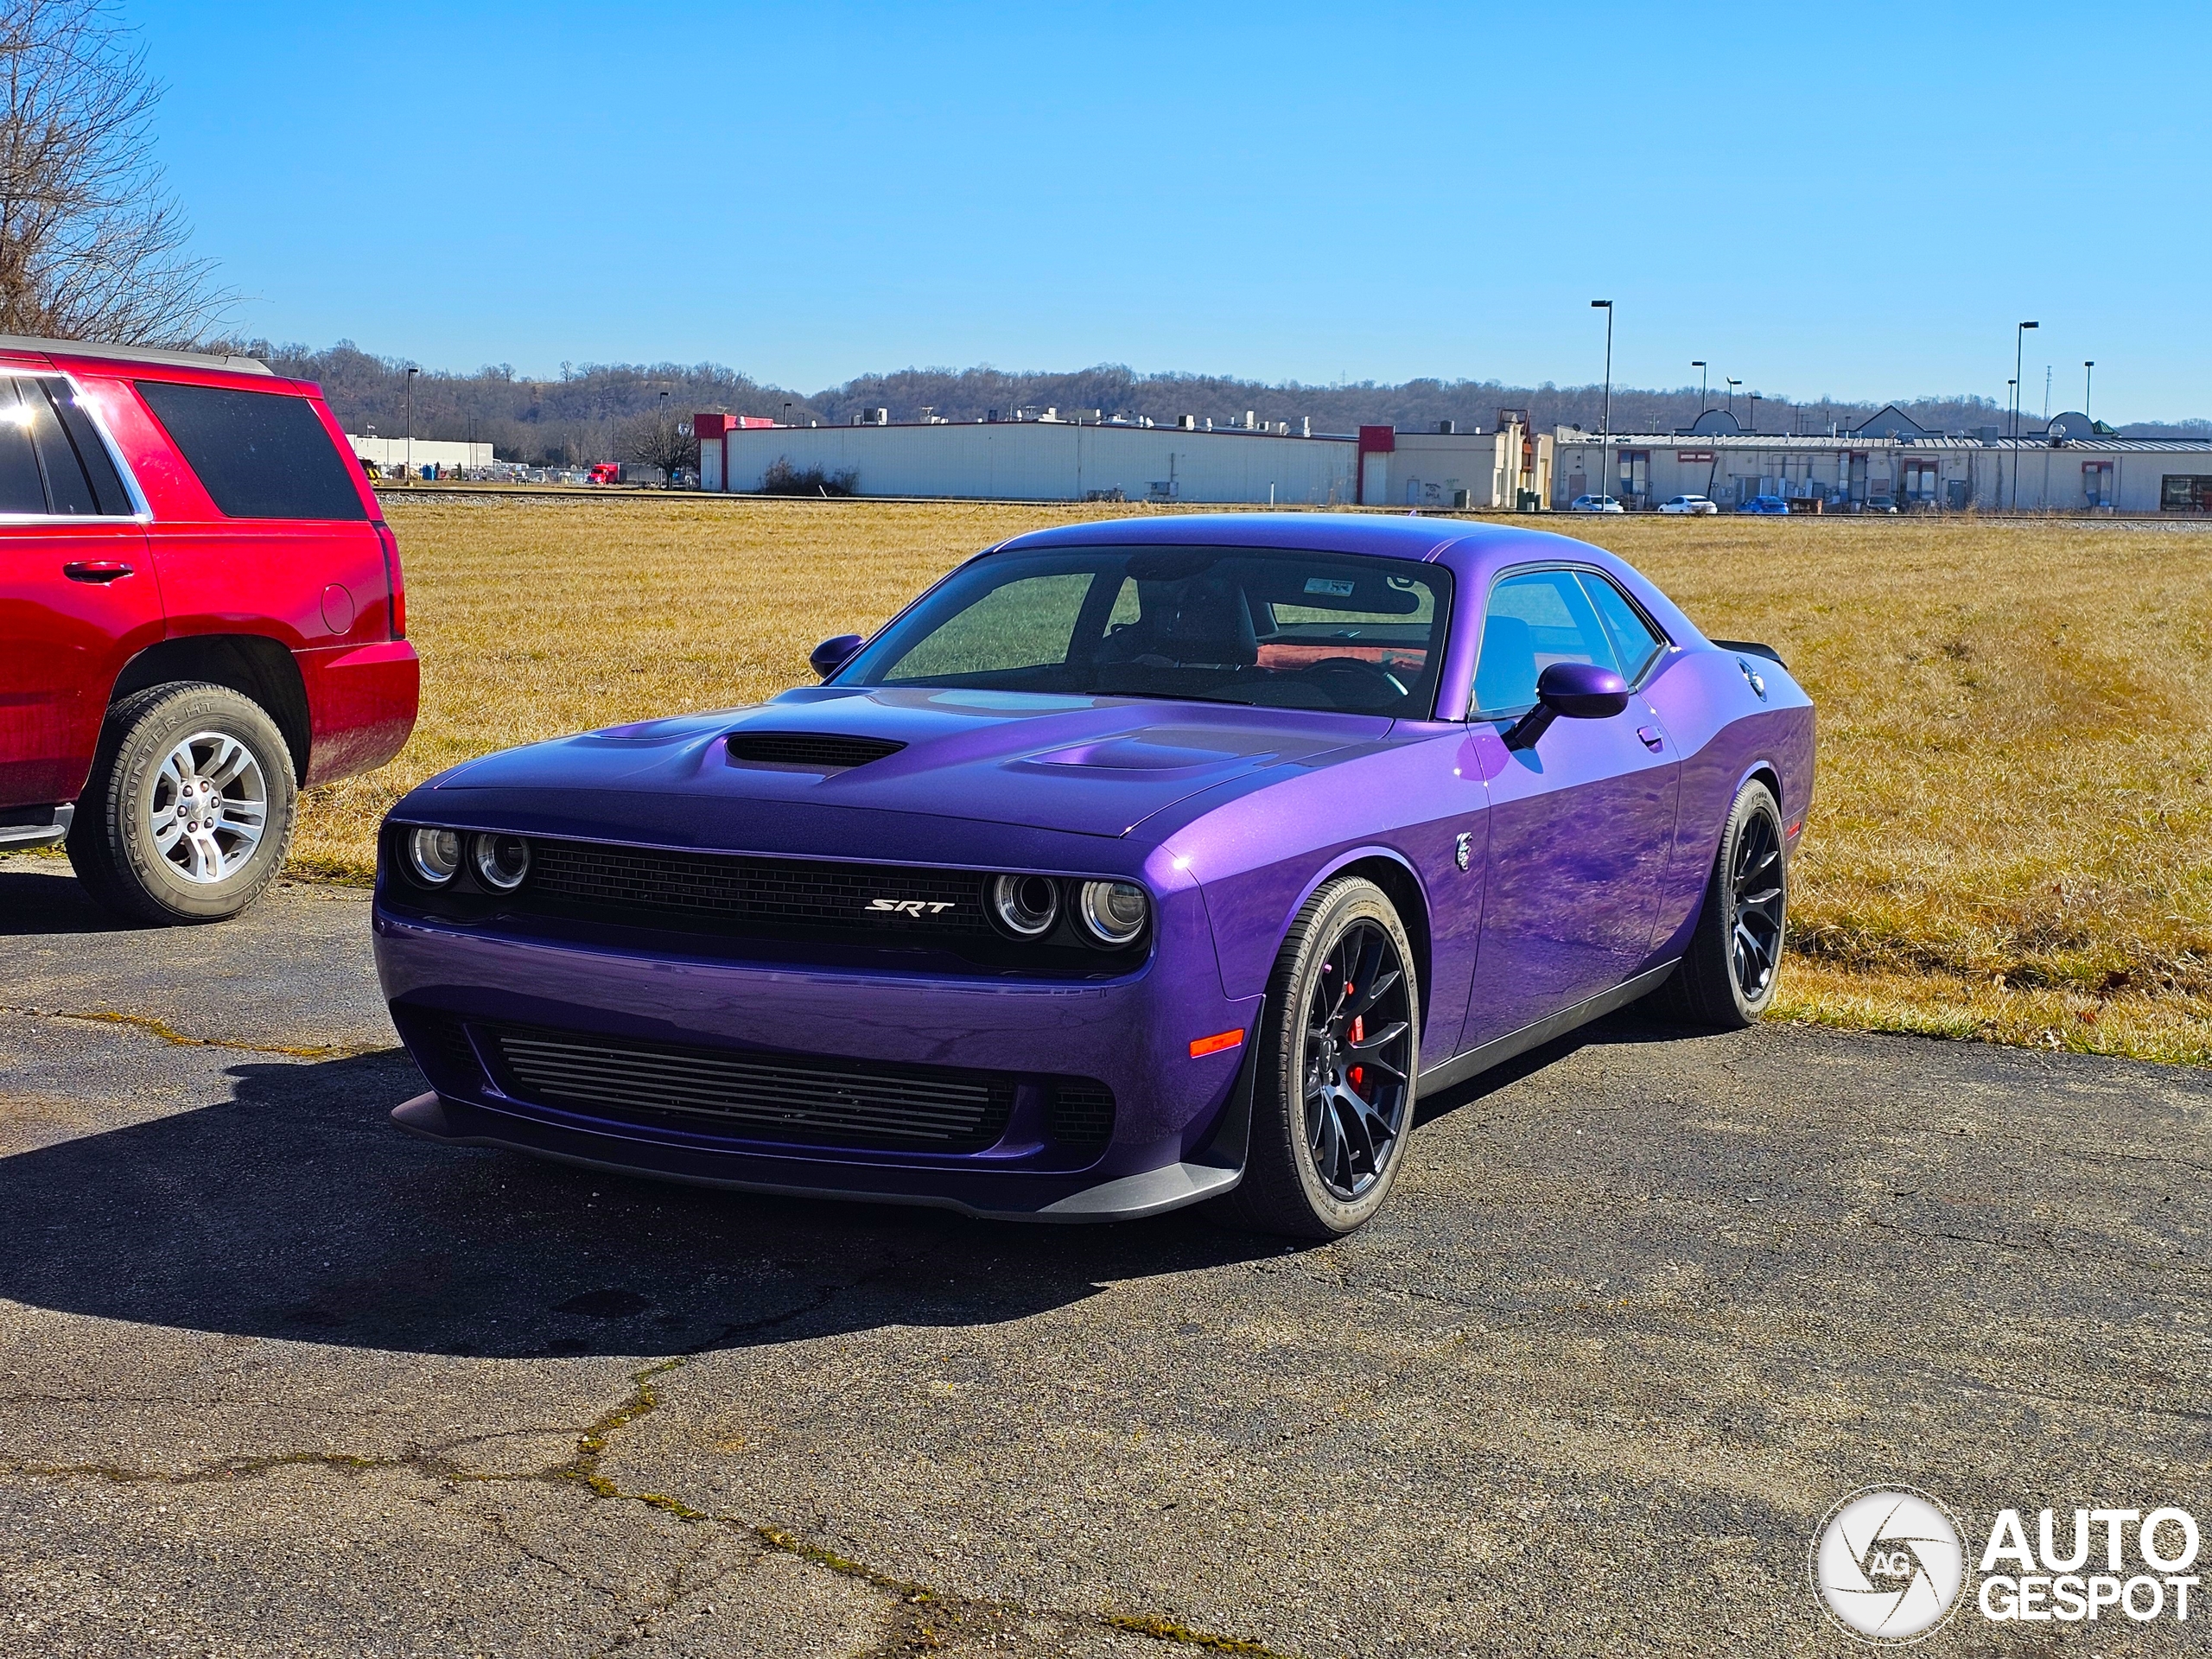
(1354,682)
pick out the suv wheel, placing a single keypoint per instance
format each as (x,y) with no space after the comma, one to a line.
(190,806)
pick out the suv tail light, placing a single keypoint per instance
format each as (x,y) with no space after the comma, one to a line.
(393,583)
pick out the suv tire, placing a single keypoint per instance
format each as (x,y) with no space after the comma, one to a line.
(190,807)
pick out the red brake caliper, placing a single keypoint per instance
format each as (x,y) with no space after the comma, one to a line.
(1358,1035)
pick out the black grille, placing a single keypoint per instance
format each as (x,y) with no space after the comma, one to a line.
(815,751)
(846,898)
(439,1046)
(1082,1113)
(820,1103)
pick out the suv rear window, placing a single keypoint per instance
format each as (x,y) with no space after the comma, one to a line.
(262,454)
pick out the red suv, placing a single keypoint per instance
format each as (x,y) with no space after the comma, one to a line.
(201,612)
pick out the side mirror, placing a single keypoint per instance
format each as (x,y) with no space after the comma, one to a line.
(1569,691)
(833,654)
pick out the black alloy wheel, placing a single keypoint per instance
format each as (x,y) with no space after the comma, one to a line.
(1335,1064)
(1727,976)
(1358,1044)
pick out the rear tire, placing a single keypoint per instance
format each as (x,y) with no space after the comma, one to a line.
(1727,977)
(1332,1099)
(190,807)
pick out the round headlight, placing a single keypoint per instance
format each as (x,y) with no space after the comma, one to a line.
(1113,913)
(434,856)
(502,861)
(1026,906)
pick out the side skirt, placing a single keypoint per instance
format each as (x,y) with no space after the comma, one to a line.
(1499,1050)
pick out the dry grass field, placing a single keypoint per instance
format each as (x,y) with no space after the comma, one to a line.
(2013,837)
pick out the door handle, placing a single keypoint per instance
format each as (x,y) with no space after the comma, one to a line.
(1652,741)
(96,570)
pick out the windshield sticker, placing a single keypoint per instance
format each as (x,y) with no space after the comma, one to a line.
(1330,586)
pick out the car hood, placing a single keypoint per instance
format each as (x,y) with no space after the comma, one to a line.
(1087,765)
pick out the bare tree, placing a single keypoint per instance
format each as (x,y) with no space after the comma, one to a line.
(660,440)
(92,245)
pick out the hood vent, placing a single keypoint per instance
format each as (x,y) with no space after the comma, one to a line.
(807,750)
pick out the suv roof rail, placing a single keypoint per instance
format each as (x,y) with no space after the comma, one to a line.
(136,353)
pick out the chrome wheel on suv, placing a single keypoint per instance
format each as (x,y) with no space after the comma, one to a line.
(189,809)
(210,805)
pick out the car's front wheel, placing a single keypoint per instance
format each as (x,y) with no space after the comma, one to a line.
(1727,976)
(189,809)
(1337,1056)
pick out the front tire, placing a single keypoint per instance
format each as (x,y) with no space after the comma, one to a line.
(1339,1056)
(1728,976)
(190,807)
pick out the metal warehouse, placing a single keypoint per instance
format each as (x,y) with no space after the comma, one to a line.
(1052,459)
(1889,460)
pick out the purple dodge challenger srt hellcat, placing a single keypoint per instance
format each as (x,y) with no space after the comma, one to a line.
(1134,864)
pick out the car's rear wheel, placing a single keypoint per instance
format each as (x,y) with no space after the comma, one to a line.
(1337,1056)
(1728,976)
(190,806)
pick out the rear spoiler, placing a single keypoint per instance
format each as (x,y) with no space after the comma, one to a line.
(1751,648)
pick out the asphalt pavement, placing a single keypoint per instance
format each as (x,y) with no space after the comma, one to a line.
(276,1379)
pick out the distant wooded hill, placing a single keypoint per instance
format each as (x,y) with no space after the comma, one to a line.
(575,417)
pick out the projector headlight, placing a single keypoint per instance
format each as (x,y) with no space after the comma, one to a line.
(1113,913)
(434,856)
(502,861)
(1025,905)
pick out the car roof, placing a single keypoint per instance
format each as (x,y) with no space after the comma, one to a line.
(98,351)
(1395,536)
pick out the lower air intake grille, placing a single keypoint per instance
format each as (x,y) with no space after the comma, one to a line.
(1082,1114)
(775,892)
(820,1103)
(440,1047)
(814,751)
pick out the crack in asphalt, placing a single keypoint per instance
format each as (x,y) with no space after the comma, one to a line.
(169,1033)
(922,1609)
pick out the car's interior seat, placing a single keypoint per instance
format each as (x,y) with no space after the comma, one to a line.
(1197,622)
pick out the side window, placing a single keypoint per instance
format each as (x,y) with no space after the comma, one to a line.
(1634,643)
(77,451)
(262,454)
(1533,620)
(21,488)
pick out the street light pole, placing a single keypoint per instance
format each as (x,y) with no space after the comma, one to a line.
(1699,364)
(1606,421)
(412,374)
(1732,384)
(2019,335)
(2089,365)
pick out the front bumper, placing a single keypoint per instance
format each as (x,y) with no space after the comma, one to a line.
(1178,1128)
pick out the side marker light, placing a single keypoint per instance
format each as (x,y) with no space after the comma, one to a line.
(1202,1047)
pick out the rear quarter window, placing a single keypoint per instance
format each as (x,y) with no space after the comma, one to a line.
(260,455)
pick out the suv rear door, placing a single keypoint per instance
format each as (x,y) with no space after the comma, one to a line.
(78,593)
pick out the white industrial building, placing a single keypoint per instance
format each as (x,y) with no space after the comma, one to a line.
(1049,458)
(2077,467)
(390,452)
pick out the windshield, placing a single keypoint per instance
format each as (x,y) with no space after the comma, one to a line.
(1259,625)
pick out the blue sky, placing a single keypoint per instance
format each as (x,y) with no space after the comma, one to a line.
(1851,201)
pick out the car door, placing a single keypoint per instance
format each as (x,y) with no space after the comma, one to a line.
(78,594)
(1582,822)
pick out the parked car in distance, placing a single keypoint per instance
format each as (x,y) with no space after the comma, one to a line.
(1688,504)
(1136,864)
(1595,504)
(200,612)
(1765,504)
(1880,504)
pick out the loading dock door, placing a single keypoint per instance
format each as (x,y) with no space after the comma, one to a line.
(1374,479)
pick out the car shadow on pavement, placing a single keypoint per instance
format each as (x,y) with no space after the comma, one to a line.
(294,1210)
(33,901)
(1627,1027)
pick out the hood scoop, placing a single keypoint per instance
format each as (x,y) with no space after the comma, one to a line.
(820,751)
